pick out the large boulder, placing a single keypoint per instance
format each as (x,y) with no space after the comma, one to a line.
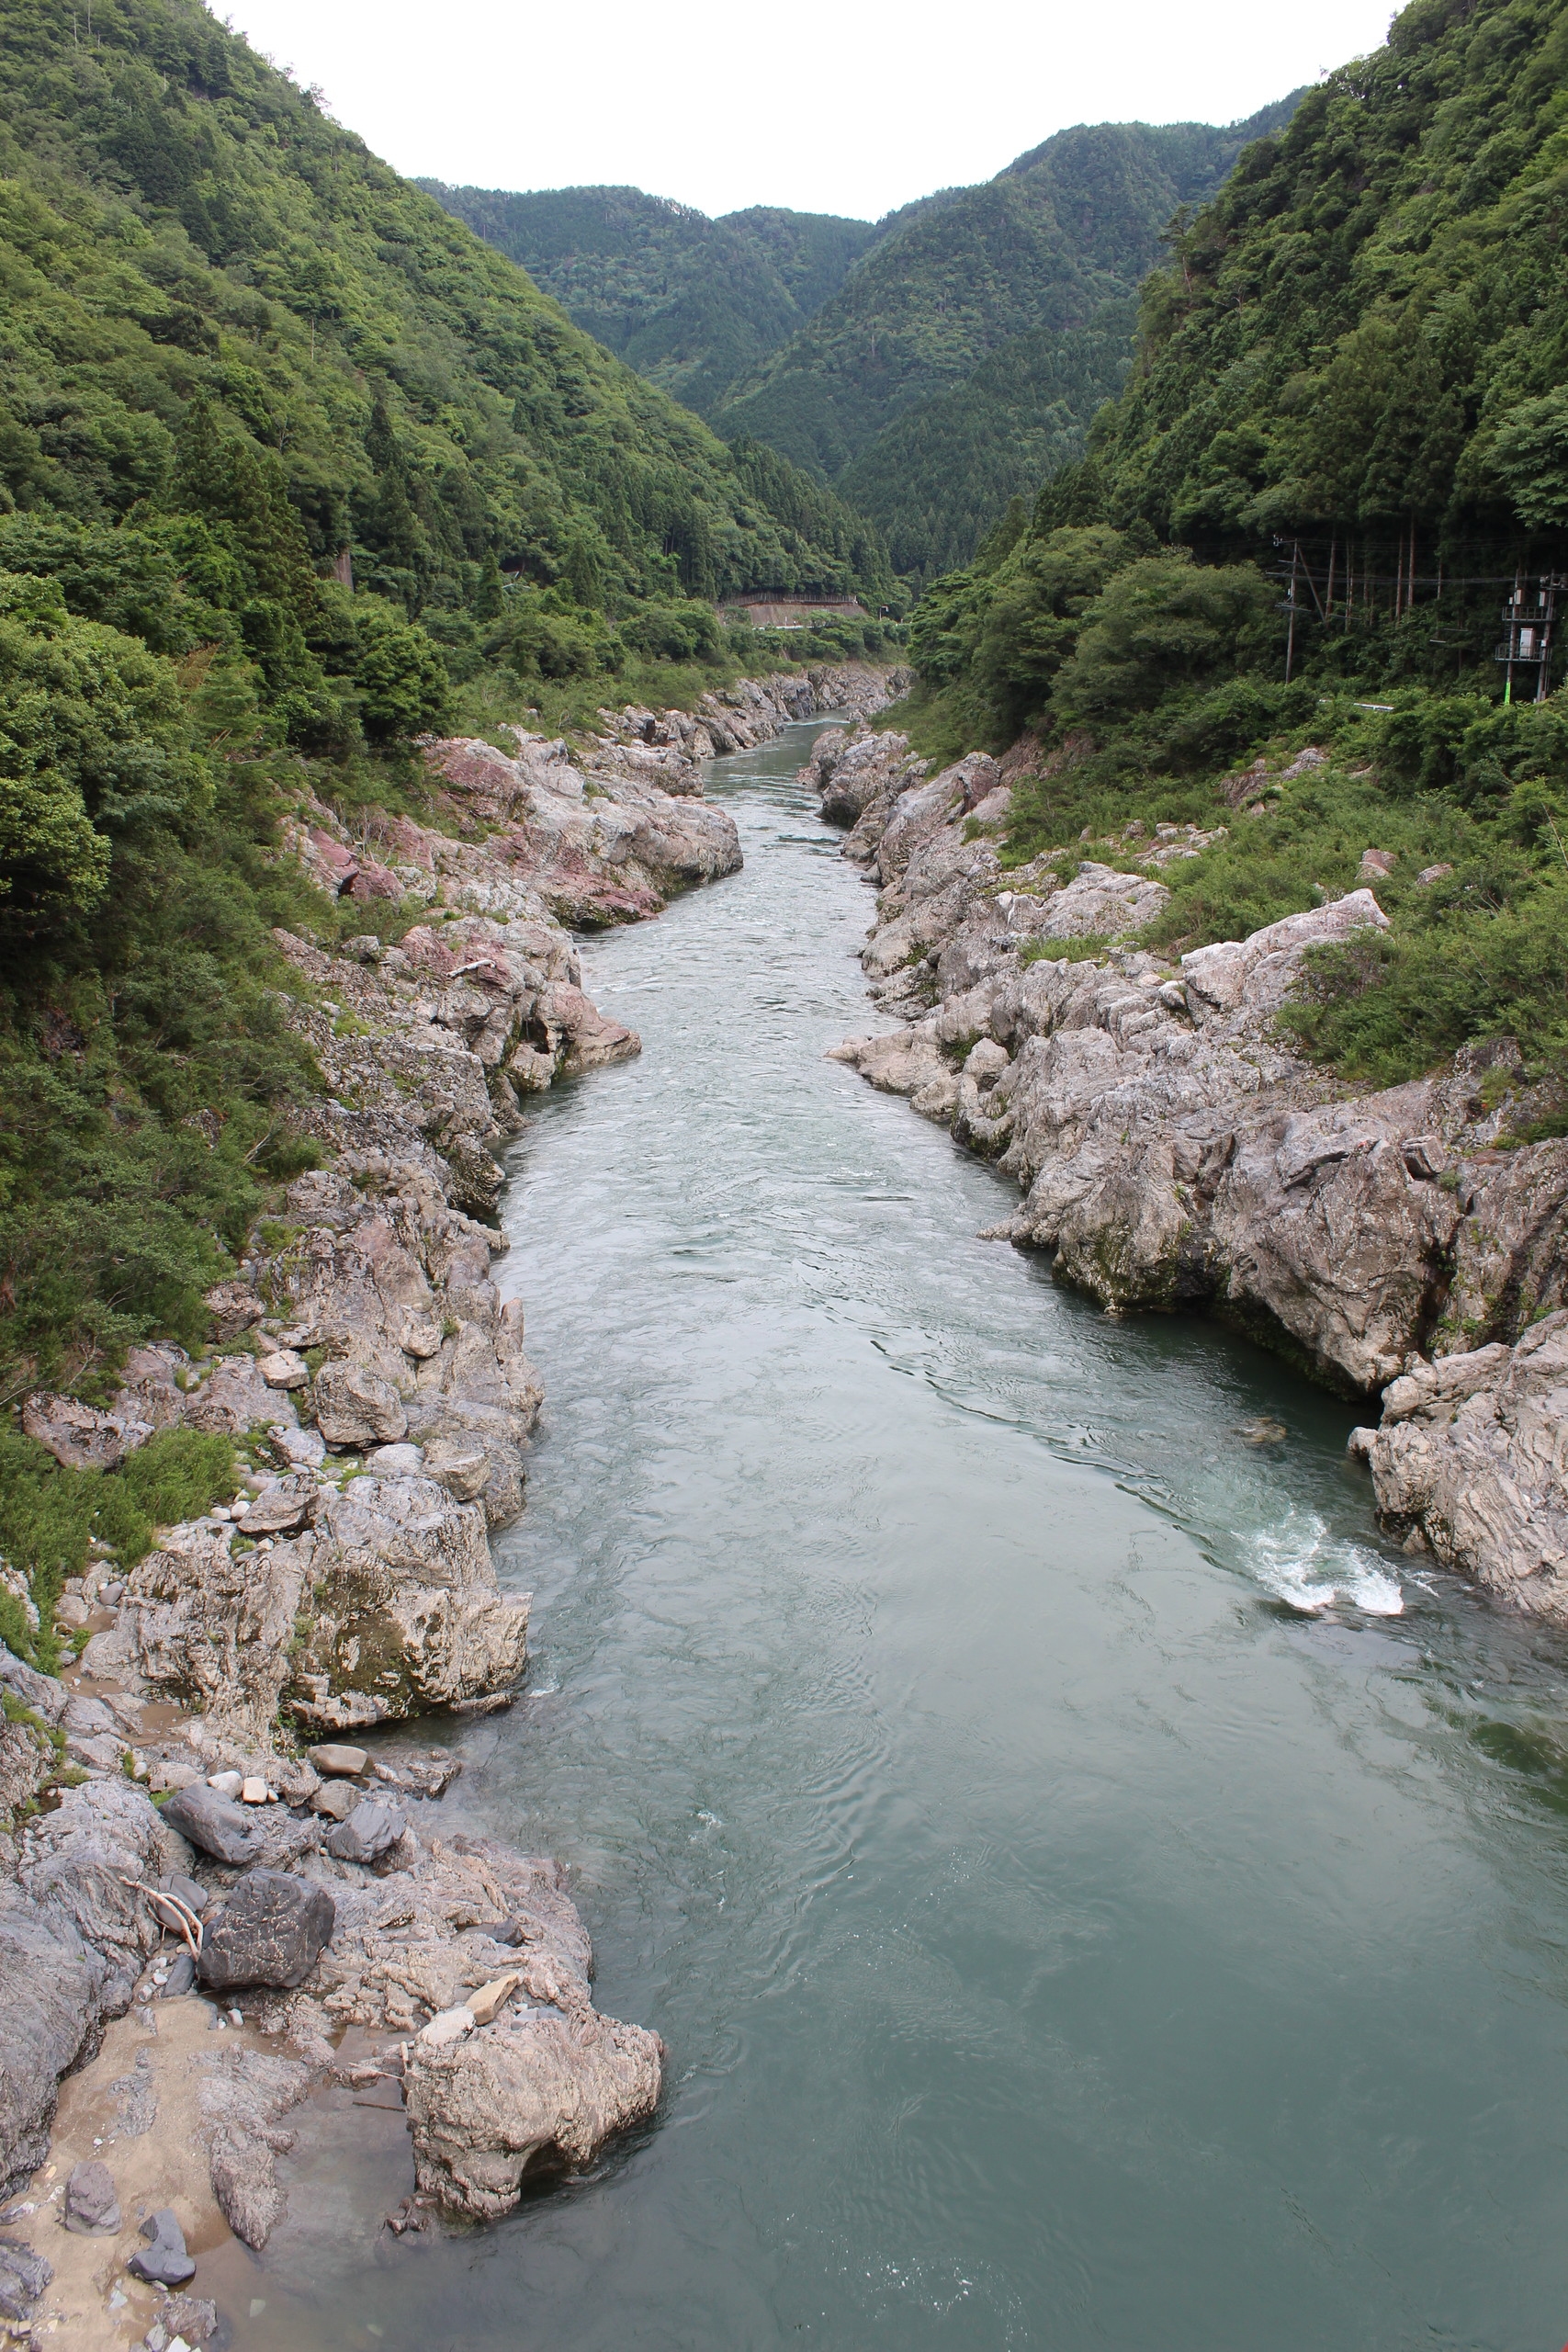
(549,2080)
(245,2094)
(271,1930)
(236,1834)
(212,1626)
(85,1866)
(405,1614)
(355,1407)
(50,2013)
(79,1437)
(366,1833)
(536,2089)
(234,1398)
(1470,1459)
(74,1931)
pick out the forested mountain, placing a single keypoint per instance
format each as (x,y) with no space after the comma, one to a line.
(241,361)
(1344,440)
(1037,253)
(941,474)
(691,303)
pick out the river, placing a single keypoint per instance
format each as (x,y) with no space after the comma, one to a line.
(1094,1892)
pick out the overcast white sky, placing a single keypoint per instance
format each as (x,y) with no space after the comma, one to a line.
(821,103)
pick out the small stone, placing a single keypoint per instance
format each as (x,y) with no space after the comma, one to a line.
(1430,874)
(490,1999)
(458,1464)
(272,1930)
(370,1831)
(447,2025)
(335,1757)
(167,1776)
(283,1370)
(228,1784)
(254,1790)
(336,1799)
(157,2337)
(1375,863)
(192,1894)
(236,2017)
(221,1512)
(193,2316)
(397,1461)
(1265,1430)
(163,2262)
(299,1448)
(24,2275)
(180,1978)
(92,2208)
(287,1504)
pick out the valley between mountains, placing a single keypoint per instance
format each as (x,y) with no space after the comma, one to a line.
(532,727)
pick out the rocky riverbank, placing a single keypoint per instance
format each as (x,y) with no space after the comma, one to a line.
(1173,1149)
(178,1866)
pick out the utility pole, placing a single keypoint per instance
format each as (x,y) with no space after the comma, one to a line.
(1291,608)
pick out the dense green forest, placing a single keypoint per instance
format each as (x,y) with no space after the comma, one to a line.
(243,365)
(1343,438)
(942,327)
(691,303)
(942,474)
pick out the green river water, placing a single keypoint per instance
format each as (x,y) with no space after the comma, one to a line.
(1095,1893)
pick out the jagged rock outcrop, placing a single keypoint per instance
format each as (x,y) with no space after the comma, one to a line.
(74,1932)
(548,2080)
(1174,1149)
(1470,1459)
(384,1605)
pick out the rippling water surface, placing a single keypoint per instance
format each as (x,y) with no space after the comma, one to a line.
(1094,1892)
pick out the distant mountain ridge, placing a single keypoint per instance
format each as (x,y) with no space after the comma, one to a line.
(692,303)
(920,327)
(931,365)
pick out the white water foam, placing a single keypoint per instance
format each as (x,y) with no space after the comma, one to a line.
(1303,1565)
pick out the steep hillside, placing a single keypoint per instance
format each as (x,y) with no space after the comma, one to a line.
(1364,339)
(1038,251)
(939,476)
(245,364)
(691,303)
(1350,372)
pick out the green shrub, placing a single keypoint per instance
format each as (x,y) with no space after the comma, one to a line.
(48,1515)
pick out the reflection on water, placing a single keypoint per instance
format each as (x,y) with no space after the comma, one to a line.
(1094,1894)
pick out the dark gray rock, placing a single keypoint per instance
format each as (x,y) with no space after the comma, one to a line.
(92,2208)
(24,2275)
(271,1930)
(181,1977)
(336,1756)
(370,1831)
(229,1832)
(191,1892)
(163,2261)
